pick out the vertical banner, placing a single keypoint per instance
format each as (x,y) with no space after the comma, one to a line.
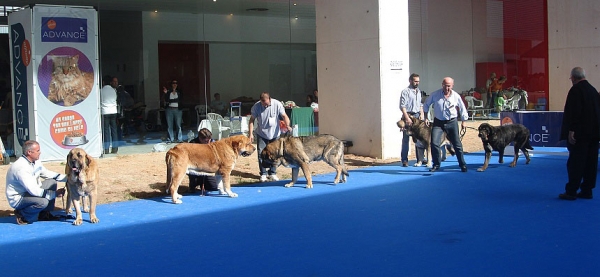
(65,74)
(22,76)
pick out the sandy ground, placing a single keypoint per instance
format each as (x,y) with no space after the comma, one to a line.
(139,176)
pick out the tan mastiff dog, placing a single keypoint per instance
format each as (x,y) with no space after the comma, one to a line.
(82,180)
(216,157)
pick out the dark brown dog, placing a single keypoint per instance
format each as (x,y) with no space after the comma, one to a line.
(216,157)
(496,138)
(82,180)
(298,152)
(421,132)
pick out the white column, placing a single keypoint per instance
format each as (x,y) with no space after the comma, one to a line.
(363,64)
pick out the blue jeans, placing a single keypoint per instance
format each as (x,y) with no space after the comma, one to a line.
(261,143)
(174,114)
(452,133)
(109,131)
(31,206)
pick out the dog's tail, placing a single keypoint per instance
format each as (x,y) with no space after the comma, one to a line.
(344,169)
(527,145)
(168,161)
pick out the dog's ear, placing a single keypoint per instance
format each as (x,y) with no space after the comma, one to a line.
(88,159)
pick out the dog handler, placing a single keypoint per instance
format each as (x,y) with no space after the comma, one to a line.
(445,103)
(267,112)
(31,198)
(410,104)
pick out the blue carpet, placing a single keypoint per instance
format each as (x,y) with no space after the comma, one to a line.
(386,221)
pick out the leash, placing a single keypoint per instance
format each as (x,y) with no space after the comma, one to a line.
(463,131)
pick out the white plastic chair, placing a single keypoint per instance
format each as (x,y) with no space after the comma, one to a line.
(220,127)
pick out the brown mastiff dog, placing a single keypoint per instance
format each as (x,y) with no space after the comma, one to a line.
(82,181)
(216,157)
(421,132)
(298,152)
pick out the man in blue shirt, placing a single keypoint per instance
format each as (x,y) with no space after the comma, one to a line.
(267,112)
(410,105)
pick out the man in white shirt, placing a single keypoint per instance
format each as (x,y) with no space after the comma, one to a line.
(446,105)
(32,198)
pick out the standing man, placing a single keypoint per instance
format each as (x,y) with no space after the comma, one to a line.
(488,85)
(447,107)
(410,105)
(108,104)
(580,127)
(31,198)
(267,112)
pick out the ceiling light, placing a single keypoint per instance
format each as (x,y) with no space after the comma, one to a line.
(155,11)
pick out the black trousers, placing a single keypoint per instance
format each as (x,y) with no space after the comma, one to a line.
(582,165)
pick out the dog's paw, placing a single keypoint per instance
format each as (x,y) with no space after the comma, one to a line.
(429,165)
(94,219)
(481,169)
(177,201)
(221,192)
(289,185)
(77,221)
(513,164)
(232,194)
(417,164)
(309,186)
(86,209)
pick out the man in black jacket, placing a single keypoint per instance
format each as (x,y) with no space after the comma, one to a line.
(581,128)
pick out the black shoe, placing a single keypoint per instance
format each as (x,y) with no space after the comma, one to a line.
(20,219)
(434,168)
(463,168)
(585,195)
(47,216)
(114,150)
(106,151)
(565,196)
(404,164)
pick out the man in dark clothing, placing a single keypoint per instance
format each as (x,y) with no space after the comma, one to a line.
(581,129)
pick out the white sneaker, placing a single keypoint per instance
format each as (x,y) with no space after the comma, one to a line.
(274,177)
(263,178)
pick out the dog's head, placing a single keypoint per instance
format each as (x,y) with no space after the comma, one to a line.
(272,154)
(78,160)
(485,131)
(416,122)
(242,145)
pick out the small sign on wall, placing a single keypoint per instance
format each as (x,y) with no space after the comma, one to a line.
(396,65)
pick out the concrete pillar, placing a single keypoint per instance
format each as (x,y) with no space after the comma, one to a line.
(362,64)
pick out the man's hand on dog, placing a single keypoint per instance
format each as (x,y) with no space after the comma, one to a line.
(60,192)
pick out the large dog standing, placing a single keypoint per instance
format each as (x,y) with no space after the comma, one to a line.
(82,180)
(298,152)
(216,157)
(496,138)
(421,132)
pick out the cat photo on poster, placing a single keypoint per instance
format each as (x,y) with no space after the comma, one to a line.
(66,76)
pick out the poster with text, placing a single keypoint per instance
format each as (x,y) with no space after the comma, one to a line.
(65,74)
